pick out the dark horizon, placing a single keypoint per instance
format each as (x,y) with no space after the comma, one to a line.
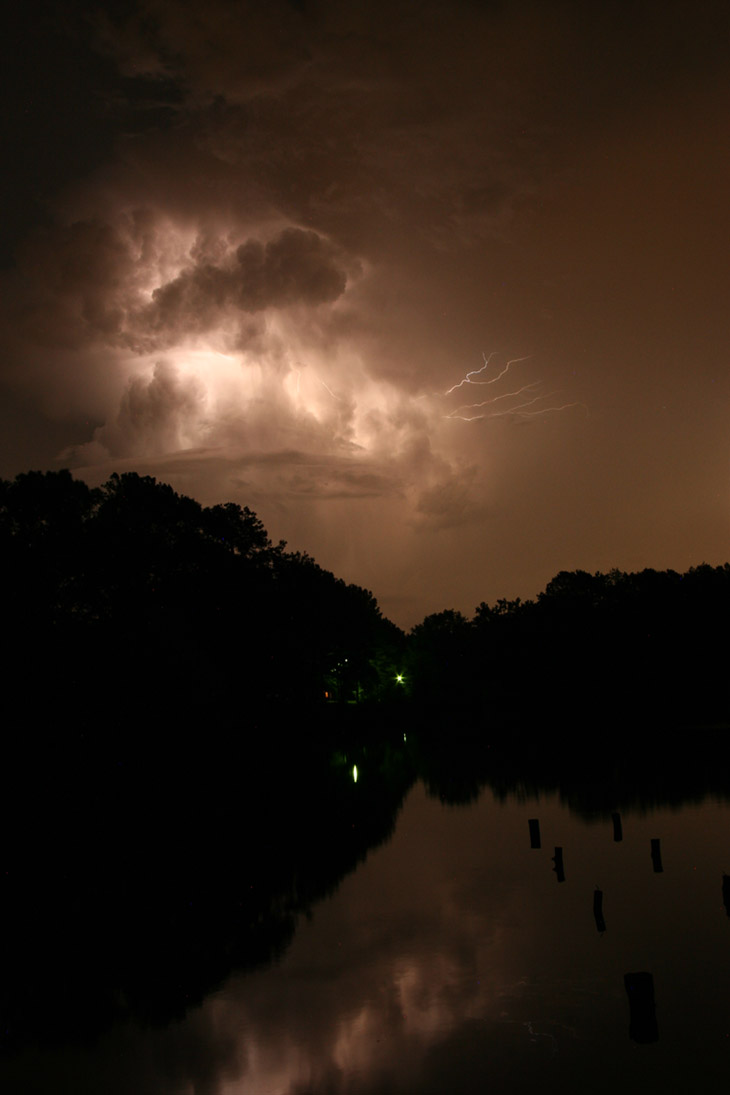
(196,606)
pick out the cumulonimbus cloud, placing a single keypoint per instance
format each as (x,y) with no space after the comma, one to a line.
(296,267)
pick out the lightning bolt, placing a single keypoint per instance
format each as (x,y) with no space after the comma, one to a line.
(329,390)
(493,400)
(538,405)
(298,374)
(475,372)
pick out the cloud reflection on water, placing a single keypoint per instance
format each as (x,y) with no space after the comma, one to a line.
(451,960)
(503,981)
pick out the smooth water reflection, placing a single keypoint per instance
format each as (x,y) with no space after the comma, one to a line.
(453,960)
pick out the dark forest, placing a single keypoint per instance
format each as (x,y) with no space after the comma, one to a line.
(135,592)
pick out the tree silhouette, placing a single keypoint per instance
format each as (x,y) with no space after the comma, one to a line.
(180,605)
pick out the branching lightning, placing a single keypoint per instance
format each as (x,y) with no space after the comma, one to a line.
(539,404)
(329,390)
(475,372)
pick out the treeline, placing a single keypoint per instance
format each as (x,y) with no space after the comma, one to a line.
(131,599)
(131,594)
(592,647)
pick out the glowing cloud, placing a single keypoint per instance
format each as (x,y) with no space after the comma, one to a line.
(246,349)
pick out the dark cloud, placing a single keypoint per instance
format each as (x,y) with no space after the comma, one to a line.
(237,47)
(452,501)
(71,284)
(154,415)
(88,279)
(297,267)
(344,482)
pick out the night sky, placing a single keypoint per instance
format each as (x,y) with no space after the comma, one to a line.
(440,290)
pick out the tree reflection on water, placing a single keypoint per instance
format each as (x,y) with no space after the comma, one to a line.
(138,876)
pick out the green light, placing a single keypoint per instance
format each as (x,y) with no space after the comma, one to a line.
(399,678)
(354,773)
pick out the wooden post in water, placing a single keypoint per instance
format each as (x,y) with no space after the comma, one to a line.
(534,824)
(558,861)
(642,1024)
(618,833)
(656,855)
(598,910)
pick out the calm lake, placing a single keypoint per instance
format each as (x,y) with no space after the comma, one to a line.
(456,958)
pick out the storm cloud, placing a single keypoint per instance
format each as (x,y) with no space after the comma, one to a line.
(296,267)
(266,246)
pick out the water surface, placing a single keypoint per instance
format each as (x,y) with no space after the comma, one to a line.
(454,960)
